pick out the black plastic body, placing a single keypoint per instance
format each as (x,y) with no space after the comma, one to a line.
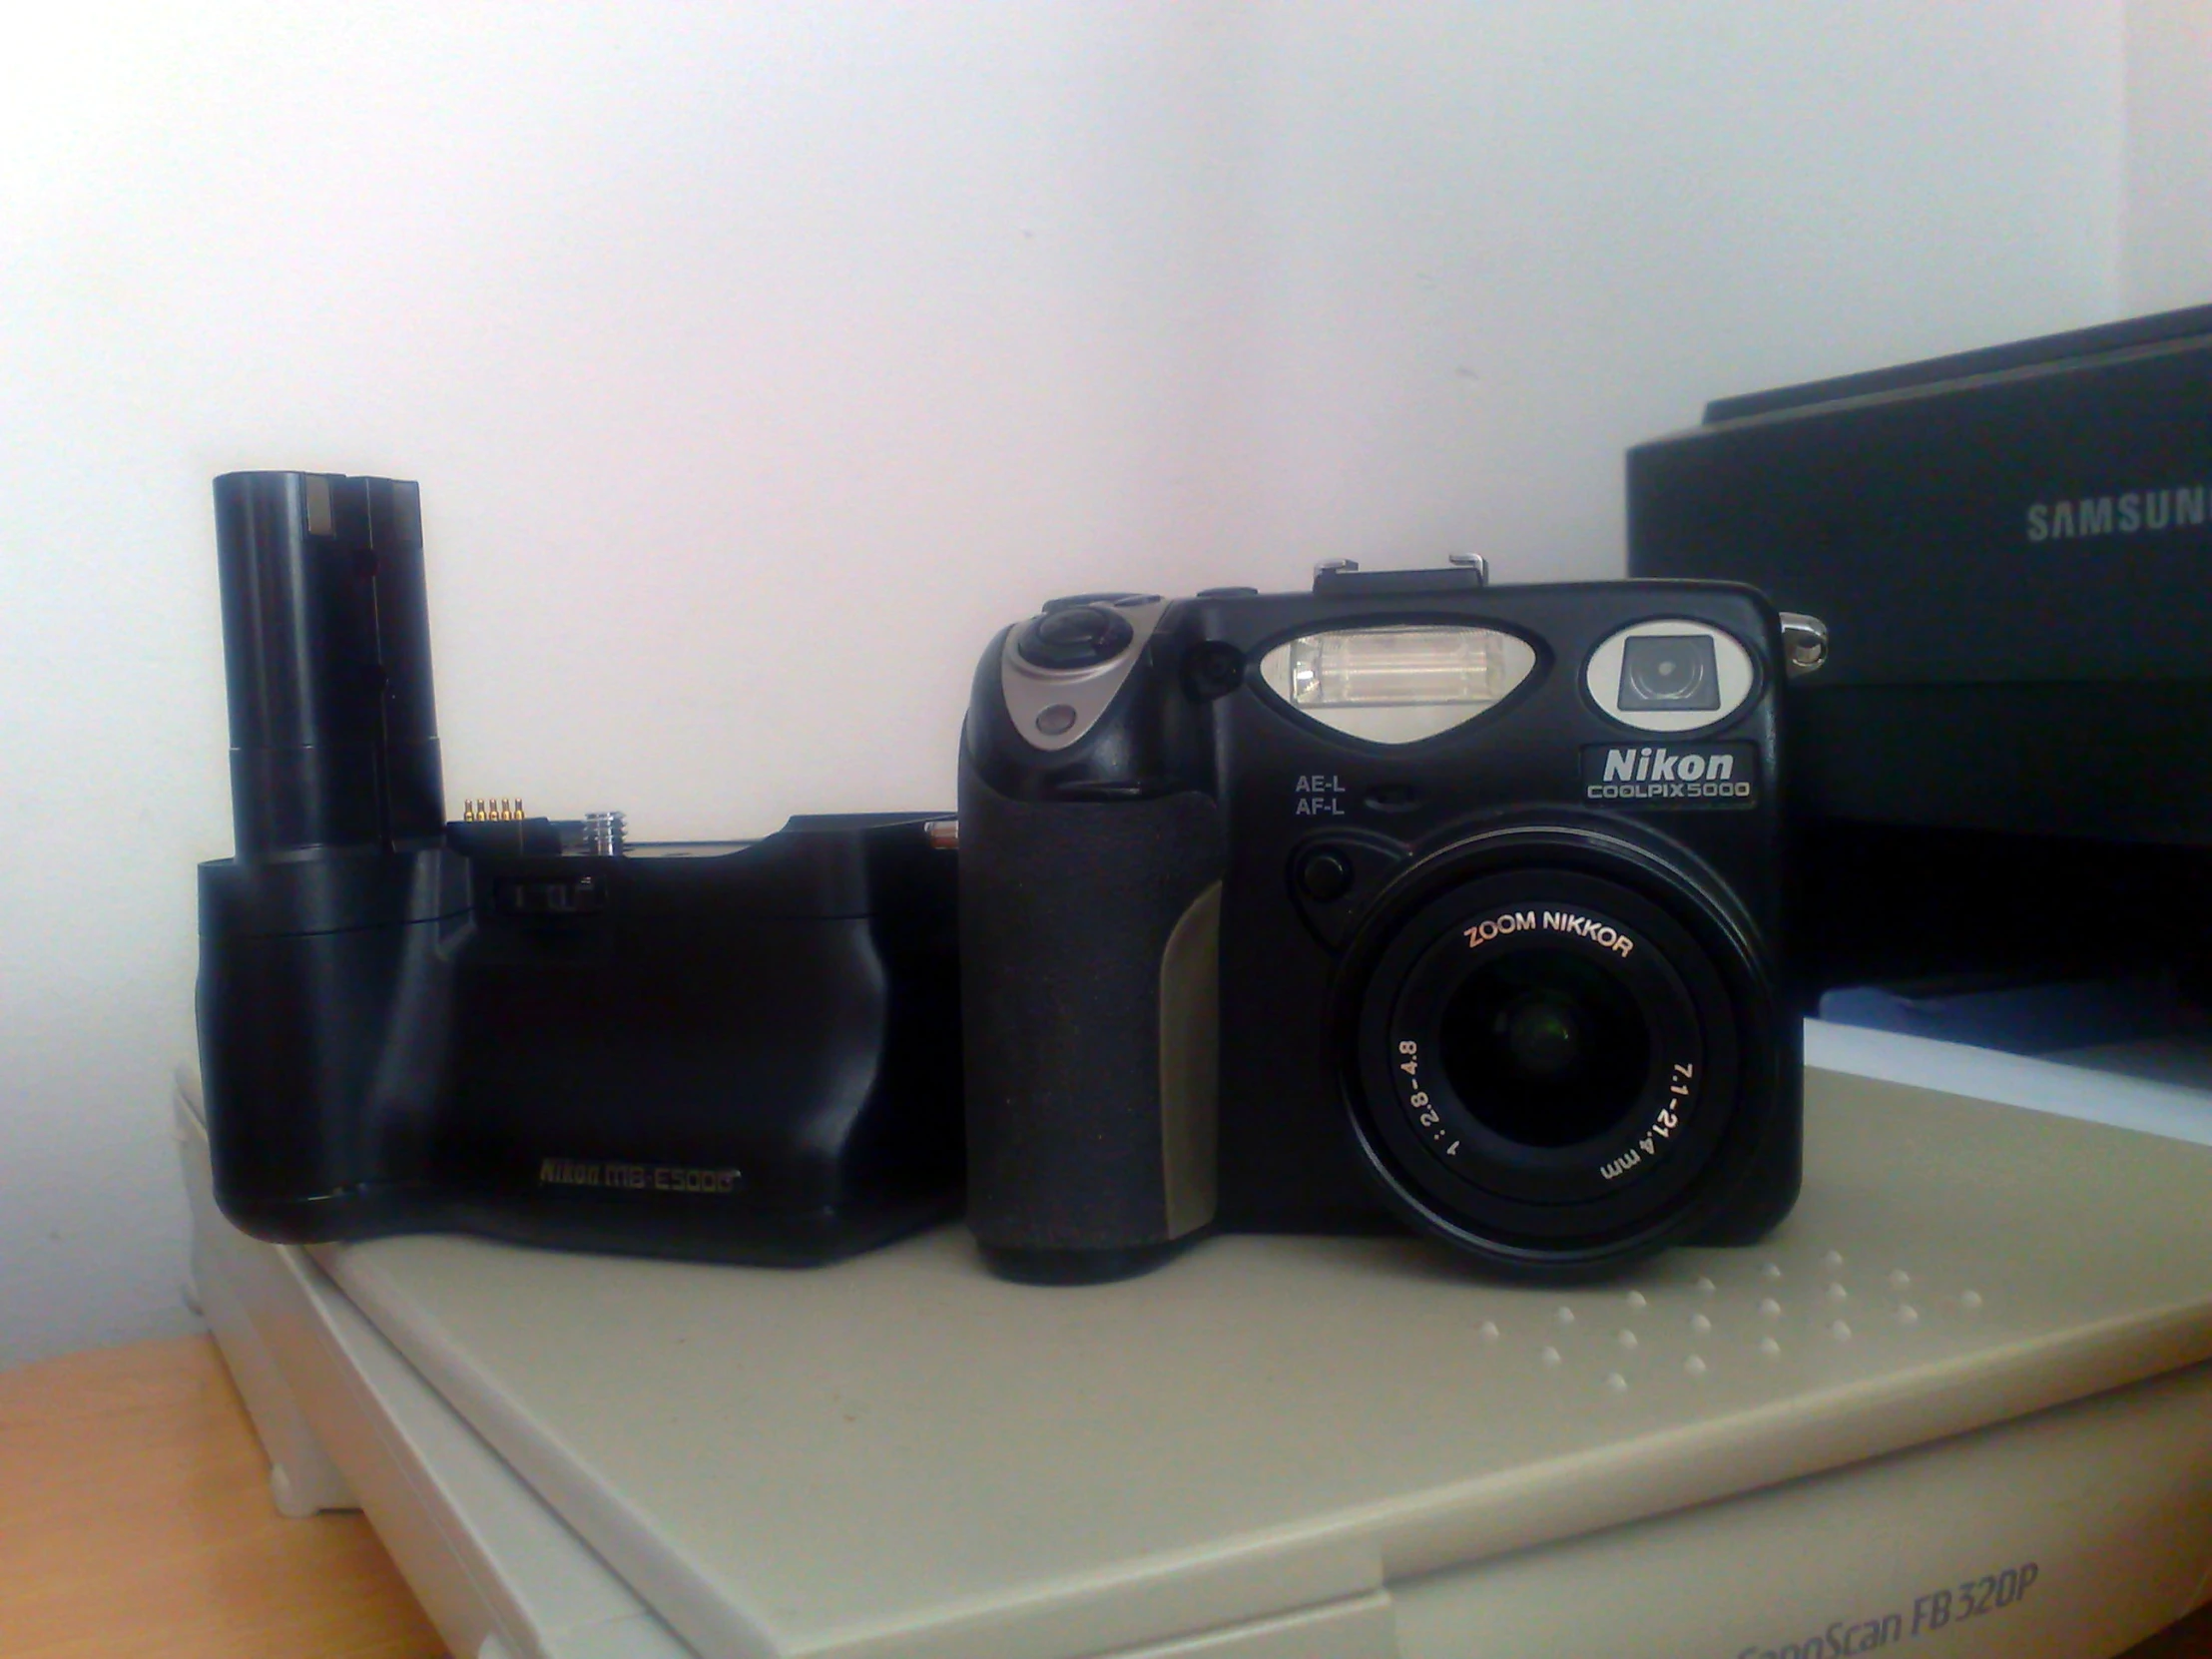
(326,649)
(1080,868)
(738,1051)
(2003,770)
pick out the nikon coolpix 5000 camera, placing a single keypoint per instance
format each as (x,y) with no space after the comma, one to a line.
(1405,897)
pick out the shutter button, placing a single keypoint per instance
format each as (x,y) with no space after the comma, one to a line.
(1078,636)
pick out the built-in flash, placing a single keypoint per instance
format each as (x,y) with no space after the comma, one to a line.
(1400,684)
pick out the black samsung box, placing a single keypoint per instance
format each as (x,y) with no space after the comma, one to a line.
(2004,766)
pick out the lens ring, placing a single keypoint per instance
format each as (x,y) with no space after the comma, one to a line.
(1531,1210)
(1469,1123)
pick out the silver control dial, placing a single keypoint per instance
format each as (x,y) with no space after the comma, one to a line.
(1099,641)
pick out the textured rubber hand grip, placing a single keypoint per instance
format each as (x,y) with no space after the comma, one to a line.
(1089,984)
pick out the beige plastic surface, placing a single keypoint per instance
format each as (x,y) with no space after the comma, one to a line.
(499,1575)
(2073,1533)
(902,1456)
(303,1479)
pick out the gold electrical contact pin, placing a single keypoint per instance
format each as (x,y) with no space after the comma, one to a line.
(491,810)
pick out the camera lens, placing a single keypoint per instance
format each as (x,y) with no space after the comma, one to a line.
(1542,1037)
(1669,670)
(1544,1048)
(1545,1034)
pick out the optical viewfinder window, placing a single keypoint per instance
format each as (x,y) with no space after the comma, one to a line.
(1669,670)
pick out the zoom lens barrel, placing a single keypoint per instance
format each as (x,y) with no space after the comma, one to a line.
(1547,1042)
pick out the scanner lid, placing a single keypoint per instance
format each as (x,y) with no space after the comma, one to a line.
(902,1456)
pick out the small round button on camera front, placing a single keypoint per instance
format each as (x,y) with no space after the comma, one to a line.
(1212,668)
(1075,637)
(1054,719)
(1325,875)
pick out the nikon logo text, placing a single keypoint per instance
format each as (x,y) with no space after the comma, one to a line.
(1659,765)
(2134,512)
(1671,774)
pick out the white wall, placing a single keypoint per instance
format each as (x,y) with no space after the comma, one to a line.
(757,362)
(2166,254)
